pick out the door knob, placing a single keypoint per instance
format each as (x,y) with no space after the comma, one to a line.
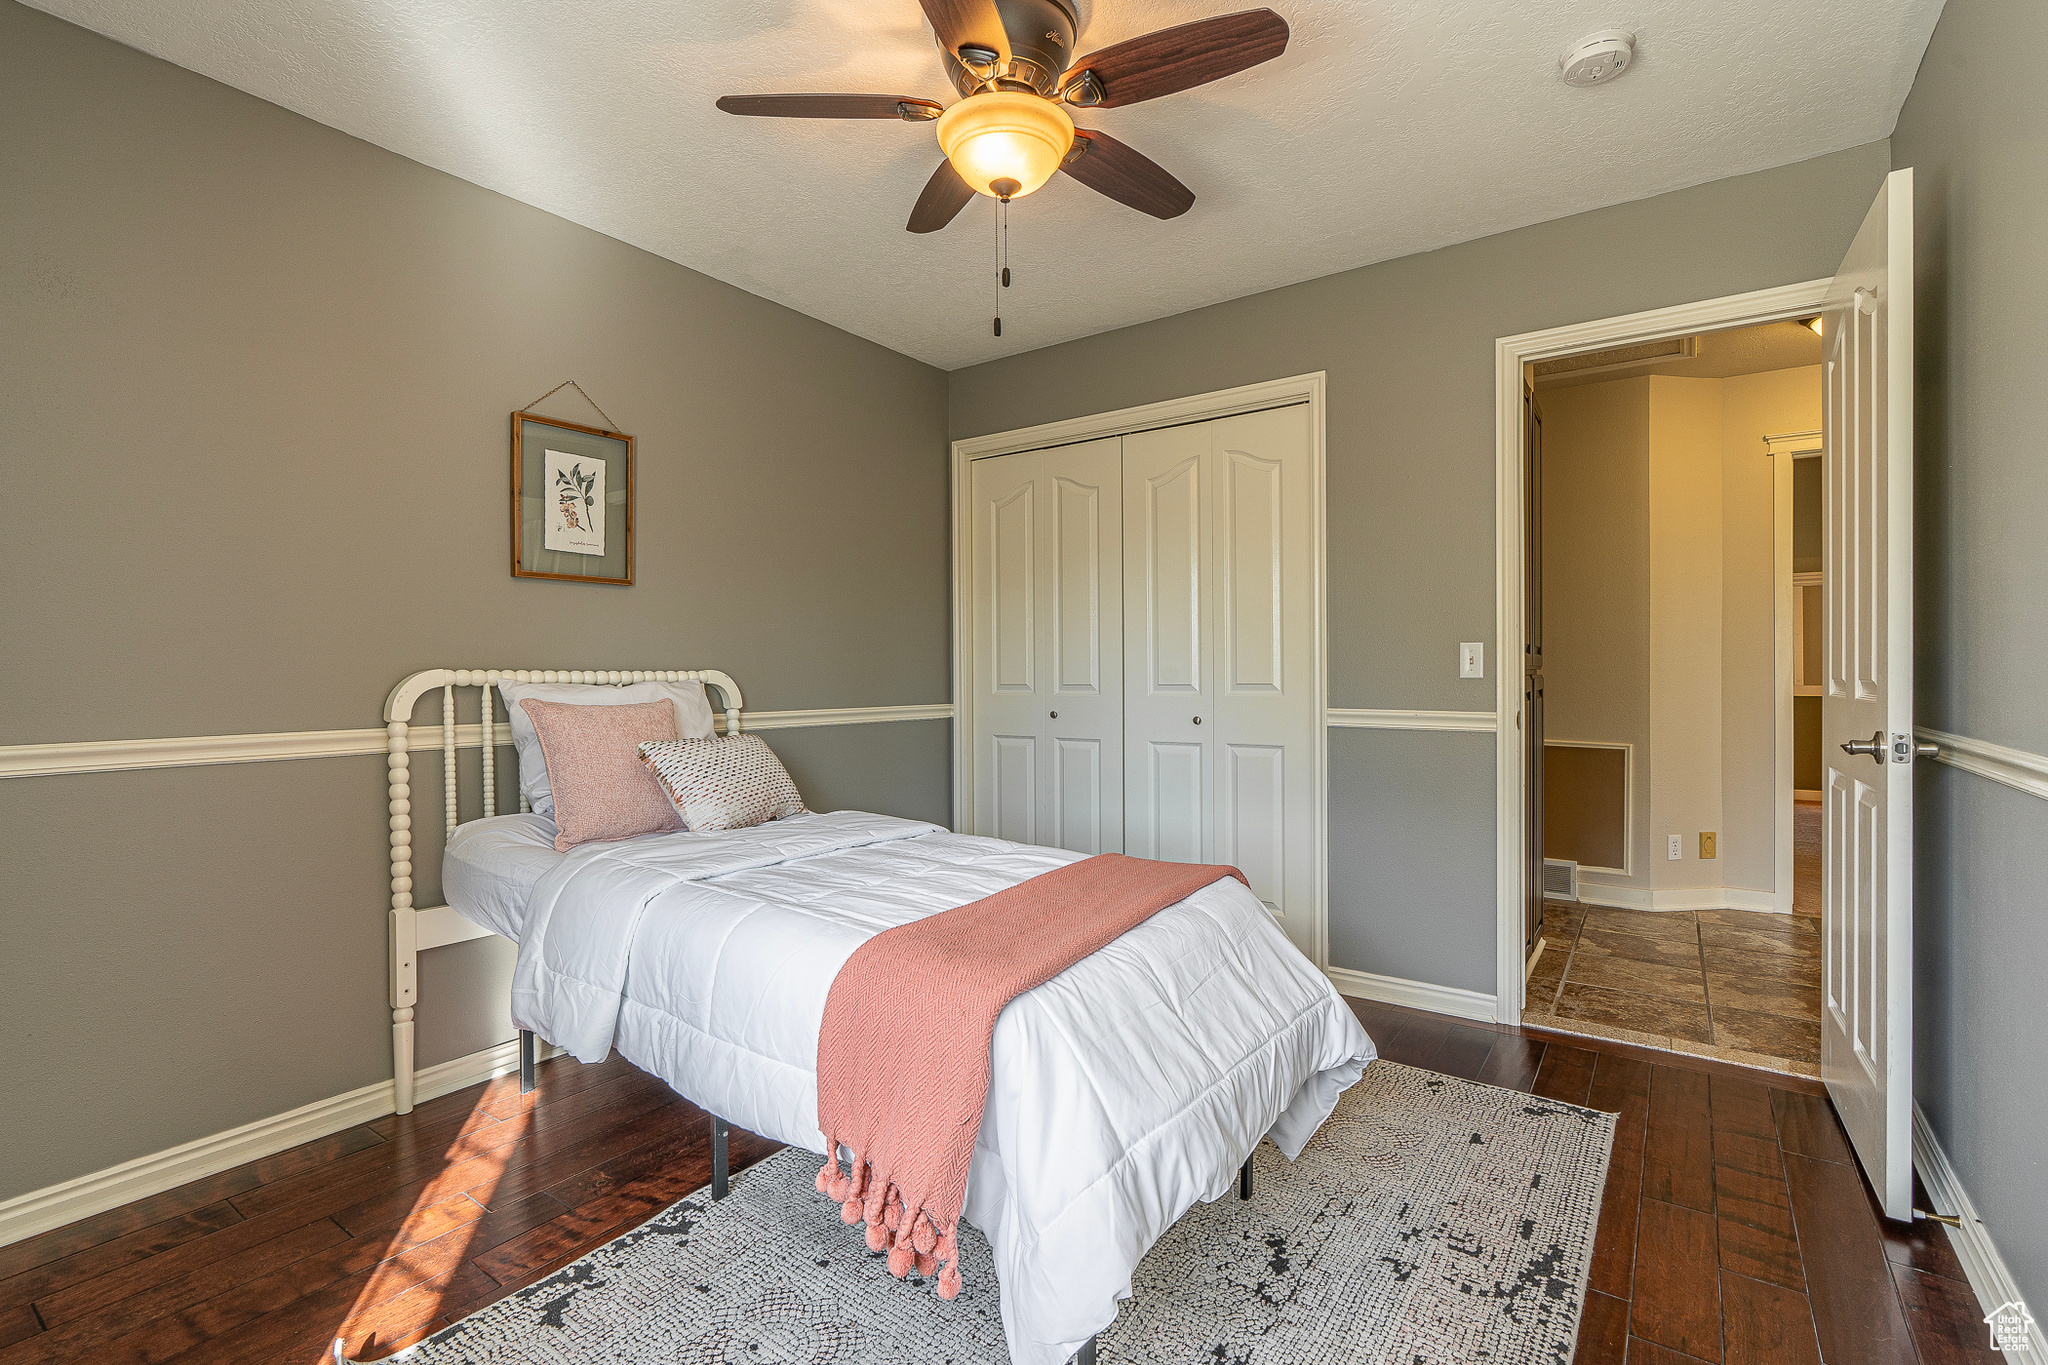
(1054,714)
(1198,720)
(1871,748)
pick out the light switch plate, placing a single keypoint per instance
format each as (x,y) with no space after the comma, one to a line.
(1707,843)
(1472,659)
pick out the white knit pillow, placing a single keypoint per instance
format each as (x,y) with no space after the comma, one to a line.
(731,782)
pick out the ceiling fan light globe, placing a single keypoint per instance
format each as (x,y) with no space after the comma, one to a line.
(1005,135)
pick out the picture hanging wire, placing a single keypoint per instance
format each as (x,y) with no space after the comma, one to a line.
(610,425)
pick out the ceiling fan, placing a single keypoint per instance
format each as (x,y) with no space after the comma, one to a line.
(1012,61)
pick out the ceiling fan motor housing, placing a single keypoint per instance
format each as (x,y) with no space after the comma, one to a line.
(1041,34)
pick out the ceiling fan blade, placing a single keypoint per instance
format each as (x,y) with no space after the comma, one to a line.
(969,23)
(1180,58)
(944,195)
(1126,175)
(905,107)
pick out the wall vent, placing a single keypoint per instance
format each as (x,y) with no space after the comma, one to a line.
(1560,880)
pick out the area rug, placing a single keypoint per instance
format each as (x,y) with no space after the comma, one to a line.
(1430,1219)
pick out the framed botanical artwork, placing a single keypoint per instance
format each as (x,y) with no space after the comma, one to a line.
(572,502)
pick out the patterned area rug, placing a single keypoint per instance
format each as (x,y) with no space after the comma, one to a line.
(1431,1219)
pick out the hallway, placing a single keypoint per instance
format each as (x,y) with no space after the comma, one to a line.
(1806,846)
(1738,985)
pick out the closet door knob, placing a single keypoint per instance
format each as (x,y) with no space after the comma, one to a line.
(1198,720)
(1054,714)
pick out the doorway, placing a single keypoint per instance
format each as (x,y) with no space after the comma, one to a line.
(1518,831)
(1661,531)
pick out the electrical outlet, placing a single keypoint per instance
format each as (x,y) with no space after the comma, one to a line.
(1706,843)
(1674,847)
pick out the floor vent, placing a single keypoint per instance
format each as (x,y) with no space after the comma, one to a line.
(1560,880)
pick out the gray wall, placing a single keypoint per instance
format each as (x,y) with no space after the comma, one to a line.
(1408,346)
(258,376)
(1975,132)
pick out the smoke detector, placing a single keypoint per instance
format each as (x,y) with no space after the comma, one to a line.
(1597,58)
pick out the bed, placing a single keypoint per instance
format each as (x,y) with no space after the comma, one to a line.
(1122,1091)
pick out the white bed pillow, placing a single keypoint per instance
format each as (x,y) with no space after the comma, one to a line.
(732,782)
(693,721)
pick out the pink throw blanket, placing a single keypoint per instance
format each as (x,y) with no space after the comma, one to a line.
(903,1052)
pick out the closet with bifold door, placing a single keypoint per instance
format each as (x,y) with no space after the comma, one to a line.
(1143,650)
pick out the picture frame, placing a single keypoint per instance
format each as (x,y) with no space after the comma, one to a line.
(572,502)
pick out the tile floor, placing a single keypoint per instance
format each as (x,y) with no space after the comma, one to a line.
(1740,985)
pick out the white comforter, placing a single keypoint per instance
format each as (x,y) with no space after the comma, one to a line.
(1122,1091)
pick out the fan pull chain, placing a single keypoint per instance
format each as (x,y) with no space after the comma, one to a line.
(1002,243)
(1001,207)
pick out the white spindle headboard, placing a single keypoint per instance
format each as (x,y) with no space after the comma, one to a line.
(414,930)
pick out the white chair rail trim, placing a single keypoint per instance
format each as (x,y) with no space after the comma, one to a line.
(1356,718)
(38,1211)
(195,751)
(2015,768)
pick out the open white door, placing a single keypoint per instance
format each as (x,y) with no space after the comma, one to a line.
(1867,707)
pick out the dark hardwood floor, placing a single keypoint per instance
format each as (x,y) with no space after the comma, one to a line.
(1735,1226)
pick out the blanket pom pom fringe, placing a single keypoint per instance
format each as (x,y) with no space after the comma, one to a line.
(912,1239)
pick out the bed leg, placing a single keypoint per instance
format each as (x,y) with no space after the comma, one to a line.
(401,1060)
(526,1063)
(720,1170)
(1244,1178)
(1086,1355)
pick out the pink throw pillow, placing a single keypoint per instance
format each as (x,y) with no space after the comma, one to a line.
(593,756)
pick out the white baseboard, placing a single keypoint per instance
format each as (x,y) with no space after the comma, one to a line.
(1676,897)
(1983,1265)
(38,1211)
(1416,995)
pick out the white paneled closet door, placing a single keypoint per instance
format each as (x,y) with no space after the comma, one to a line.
(1048,647)
(1220,693)
(1168,647)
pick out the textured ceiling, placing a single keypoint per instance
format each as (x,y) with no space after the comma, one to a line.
(1388,127)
